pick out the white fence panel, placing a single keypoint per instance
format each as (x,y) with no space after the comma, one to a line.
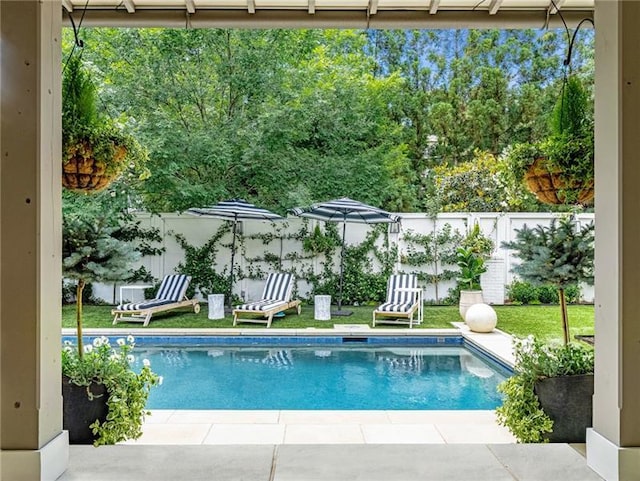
(198,230)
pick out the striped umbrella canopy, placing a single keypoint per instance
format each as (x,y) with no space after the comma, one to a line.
(345,210)
(234,210)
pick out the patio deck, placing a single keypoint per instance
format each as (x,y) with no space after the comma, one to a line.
(387,462)
(331,445)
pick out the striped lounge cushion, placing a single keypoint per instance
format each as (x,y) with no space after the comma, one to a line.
(172,289)
(276,293)
(401,281)
(391,307)
(262,305)
(399,301)
(141,306)
(278,286)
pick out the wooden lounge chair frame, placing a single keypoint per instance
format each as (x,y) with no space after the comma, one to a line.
(143,314)
(401,317)
(265,316)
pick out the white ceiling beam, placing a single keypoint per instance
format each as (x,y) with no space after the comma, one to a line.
(494,6)
(312,7)
(373,7)
(68,6)
(129,5)
(191,7)
(433,6)
(553,9)
(251,6)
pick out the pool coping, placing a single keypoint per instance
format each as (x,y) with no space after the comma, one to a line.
(496,344)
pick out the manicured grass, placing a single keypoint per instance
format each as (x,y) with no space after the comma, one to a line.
(541,321)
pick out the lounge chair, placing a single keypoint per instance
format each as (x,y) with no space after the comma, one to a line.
(171,295)
(276,297)
(403,300)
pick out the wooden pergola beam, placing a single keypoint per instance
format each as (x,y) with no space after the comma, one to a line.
(68,6)
(251,6)
(373,7)
(555,5)
(191,7)
(312,7)
(494,6)
(433,6)
(130,6)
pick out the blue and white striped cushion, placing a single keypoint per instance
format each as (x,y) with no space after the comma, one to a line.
(173,287)
(144,305)
(401,297)
(262,305)
(391,307)
(278,287)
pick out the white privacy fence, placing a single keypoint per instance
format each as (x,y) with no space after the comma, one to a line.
(197,231)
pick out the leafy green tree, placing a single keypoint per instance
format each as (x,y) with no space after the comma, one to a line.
(366,114)
(484,184)
(91,253)
(561,254)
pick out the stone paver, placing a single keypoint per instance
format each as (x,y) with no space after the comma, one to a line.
(544,462)
(169,463)
(431,462)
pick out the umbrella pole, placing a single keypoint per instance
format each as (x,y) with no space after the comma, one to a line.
(233,254)
(344,229)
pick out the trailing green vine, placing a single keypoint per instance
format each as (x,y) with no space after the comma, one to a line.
(199,263)
(435,252)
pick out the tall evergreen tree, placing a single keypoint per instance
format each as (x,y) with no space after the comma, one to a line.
(561,254)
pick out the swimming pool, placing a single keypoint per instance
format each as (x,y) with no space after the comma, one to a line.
(331,375)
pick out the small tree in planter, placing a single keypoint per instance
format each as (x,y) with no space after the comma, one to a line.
(97,374)
(561,255)
(549,395)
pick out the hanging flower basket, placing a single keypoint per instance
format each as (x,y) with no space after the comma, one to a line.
(552,186)
(96,149)
(81,171)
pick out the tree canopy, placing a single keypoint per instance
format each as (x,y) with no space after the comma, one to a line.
(284,118)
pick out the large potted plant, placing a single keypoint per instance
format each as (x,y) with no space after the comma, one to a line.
(471,266)
(103,397)
(474,249)
(95,149)
(549,396)
(560,169)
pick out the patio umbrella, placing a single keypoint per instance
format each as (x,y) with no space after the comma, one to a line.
(345,210)
(234,210)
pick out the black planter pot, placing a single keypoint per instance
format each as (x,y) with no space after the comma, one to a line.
(78,411)
(567,400)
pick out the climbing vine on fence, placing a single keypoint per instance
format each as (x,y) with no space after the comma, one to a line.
(435,252)
(199,262)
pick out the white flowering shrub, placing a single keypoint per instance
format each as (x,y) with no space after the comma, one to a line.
(128,390)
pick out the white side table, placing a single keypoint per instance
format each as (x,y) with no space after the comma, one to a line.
(216,306)
(322,308)
(133,287)
(417,290)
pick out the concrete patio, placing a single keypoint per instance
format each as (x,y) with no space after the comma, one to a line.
(383,462)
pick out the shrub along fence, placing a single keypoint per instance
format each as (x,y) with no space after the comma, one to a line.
(311,250)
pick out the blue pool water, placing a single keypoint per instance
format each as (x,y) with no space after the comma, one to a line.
(322,377)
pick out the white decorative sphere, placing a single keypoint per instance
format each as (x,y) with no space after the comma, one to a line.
(481,318)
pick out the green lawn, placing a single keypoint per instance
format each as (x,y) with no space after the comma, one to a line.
(541,321)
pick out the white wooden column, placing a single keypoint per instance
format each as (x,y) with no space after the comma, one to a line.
(613,445)
(33,445)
